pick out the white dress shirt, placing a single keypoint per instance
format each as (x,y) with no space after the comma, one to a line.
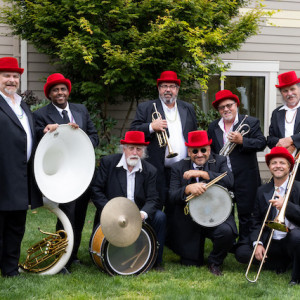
(22,117)
(131,178)
(67,108)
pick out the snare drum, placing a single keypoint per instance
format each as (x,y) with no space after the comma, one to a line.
(211,208)
(131,260)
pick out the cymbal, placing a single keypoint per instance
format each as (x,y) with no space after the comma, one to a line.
(121,222)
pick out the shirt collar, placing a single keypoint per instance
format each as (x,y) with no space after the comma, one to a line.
(61,109)
(284,185)
(18,99)
(285,107)
(166,108)
(236,120)
(123,163)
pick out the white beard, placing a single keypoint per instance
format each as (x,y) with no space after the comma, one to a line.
(132,161)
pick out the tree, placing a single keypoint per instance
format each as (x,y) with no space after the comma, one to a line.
(114,50)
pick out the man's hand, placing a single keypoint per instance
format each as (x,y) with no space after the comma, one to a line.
(74,125)
(259,253)
(195,173)
(235,137)
(277,202)
(285,142)
(142,216)
(159,125)
(291,149)
(195,188)
(50,128)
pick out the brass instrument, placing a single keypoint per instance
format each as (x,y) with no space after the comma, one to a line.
(229,146)
(162,136)
(277,223)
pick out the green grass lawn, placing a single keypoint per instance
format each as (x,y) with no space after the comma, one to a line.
(177,282)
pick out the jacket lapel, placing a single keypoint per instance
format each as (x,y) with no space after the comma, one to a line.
(268,196)
(76,115)
(281,121)
(29,117)
(183,115)
(297,122)
(7,109)
(54,114)
(139,180)
(219,135)
(122,178)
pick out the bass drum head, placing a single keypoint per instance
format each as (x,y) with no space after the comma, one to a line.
(211,208)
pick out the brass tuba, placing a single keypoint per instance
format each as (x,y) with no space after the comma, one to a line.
(64,166)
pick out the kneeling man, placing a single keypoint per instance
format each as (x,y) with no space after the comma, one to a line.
(129,175)
(189,176)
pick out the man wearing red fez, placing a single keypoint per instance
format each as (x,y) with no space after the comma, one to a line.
(285,121)
(189,177)
(284,249)
(129,175)
(48,118)
(177,119)
(17,186)
(242,161)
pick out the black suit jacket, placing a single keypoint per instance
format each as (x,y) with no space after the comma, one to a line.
(111,181)
(264,194)
(50,115)
(277,128)
(243,160)
(184,235)
(18,188)
(143,118)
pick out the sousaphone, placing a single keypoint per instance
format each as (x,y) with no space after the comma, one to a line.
(64,165)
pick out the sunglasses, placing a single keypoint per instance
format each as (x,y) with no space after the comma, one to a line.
(202,150)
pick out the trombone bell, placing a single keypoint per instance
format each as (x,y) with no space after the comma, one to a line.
(277,226)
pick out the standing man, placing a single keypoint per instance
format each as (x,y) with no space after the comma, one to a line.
(60,111)
(129,175)
(285,246)
(189,176)
(177,119)
(284,129)
(242,160)
(18,189)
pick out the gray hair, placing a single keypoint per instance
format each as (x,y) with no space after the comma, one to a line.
(145,152)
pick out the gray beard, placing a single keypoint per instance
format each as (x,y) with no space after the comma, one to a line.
(167,102)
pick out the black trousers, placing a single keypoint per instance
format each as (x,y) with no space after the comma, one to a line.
(281,253)
(12,229)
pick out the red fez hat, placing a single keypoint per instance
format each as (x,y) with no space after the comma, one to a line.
(287,79)
(223,95)
(197,139)
(10,64)
(55,79)
(135,138)
(168,76)
(280,152)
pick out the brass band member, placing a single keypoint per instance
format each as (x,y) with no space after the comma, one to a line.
(285,121)
(177,119)
(129,175)
(17,185)
(285,247)
(242,160)
(189,176)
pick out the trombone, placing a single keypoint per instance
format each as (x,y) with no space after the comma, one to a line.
(229,146)
(162,136)
(276,224)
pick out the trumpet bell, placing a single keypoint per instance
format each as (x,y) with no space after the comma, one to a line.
(64,164)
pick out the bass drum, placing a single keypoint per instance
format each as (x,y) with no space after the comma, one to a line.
(135,259)
(211,208)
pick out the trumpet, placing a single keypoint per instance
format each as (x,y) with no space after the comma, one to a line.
(276,224)
(229,146)
(162,136)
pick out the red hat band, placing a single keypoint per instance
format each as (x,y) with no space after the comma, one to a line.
(224,95)
(55,79)
(197,139)
(280,152)
(168,76)
(287,79)
(10,64)
(135,138)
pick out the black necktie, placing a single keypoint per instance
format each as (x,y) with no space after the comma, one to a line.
(66,119)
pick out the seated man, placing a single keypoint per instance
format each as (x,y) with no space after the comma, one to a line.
(129,175)
(186,236)
(285,247)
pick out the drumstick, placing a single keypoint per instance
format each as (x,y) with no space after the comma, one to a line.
(131,258)
(190,197)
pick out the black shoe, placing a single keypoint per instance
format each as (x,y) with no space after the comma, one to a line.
(159,267)
(214,269)
(11,275)
(294,282)
(64,271)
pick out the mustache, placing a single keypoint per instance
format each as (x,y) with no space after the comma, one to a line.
(290,96)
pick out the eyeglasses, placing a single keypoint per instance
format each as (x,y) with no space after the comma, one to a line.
(138,149)
(229,105)
(202,150)
(171,86)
